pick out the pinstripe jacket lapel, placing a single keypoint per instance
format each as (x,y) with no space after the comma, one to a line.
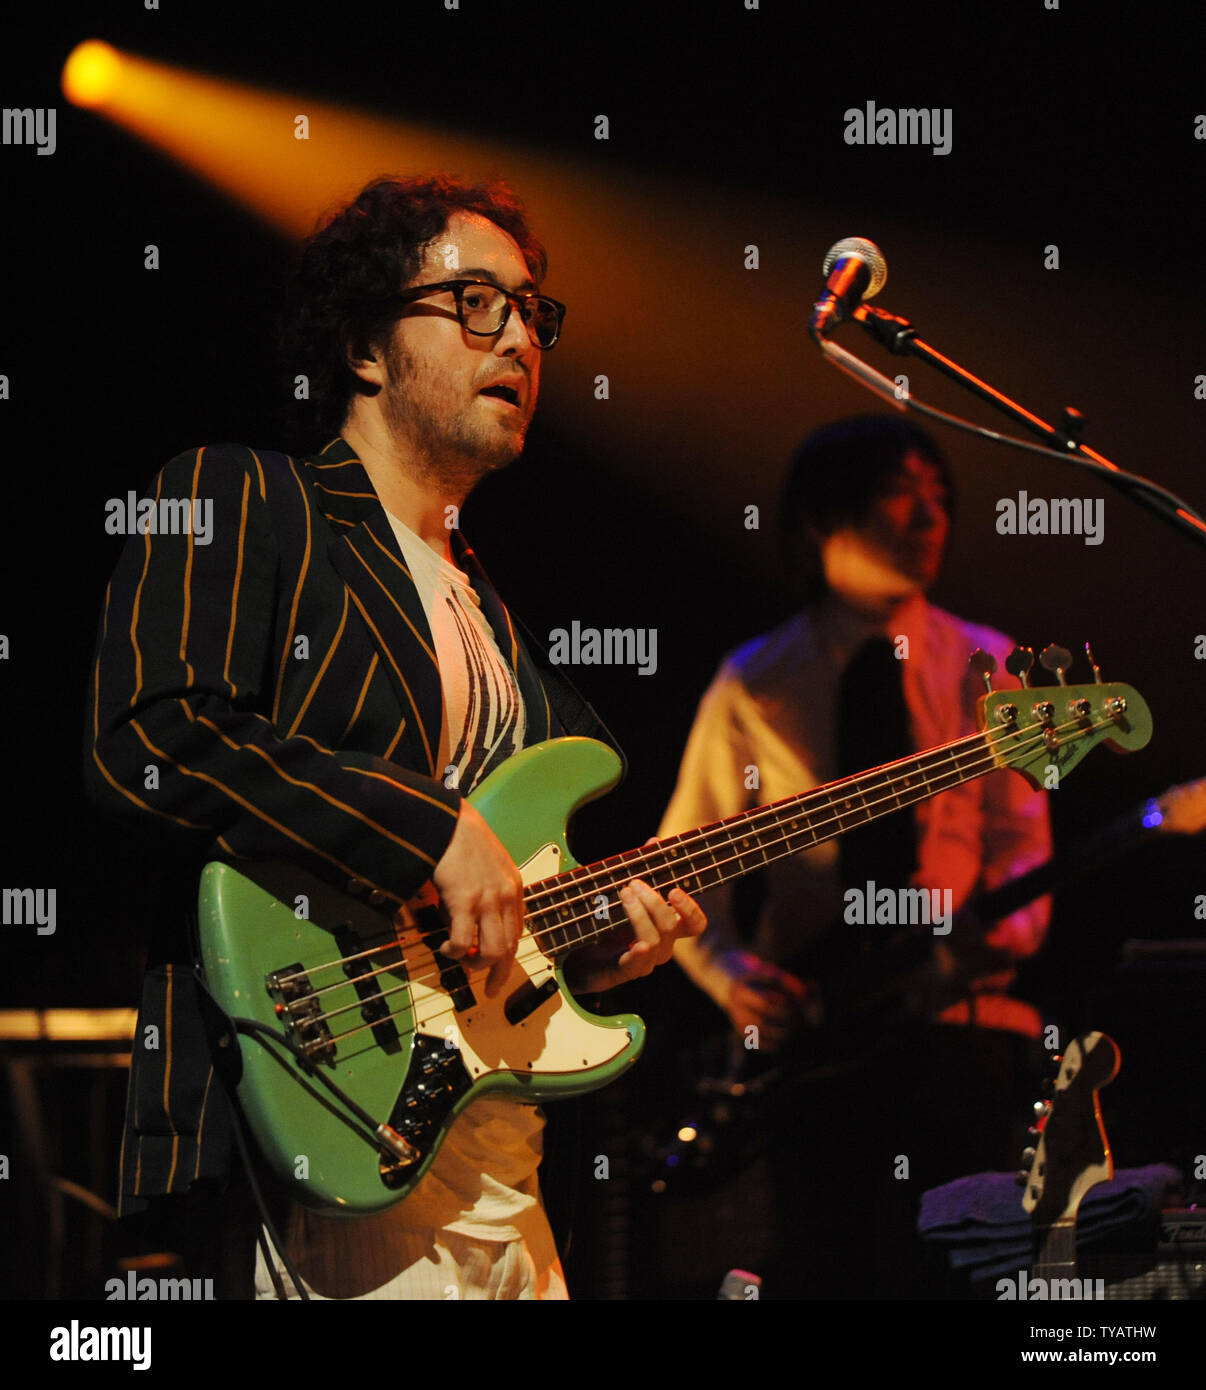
(541,722)
(365,553)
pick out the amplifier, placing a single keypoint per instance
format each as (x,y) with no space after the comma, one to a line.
(1174,1269)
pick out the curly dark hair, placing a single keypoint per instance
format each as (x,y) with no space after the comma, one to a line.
(359,256)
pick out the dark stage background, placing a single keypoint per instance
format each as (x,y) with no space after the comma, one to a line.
(1072,127)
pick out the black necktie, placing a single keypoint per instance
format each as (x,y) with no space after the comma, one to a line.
(873,728)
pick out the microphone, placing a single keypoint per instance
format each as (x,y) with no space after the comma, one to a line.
(854,270)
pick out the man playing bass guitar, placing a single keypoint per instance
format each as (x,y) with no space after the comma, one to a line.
(323,682)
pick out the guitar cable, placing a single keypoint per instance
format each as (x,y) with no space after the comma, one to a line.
(265,1215)
(377,1133)
(222,1030)
(228,1065)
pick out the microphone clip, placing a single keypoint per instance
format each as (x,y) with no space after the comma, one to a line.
(889,330)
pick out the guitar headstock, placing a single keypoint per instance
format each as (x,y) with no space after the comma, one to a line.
(1034,729)
(1072,1154)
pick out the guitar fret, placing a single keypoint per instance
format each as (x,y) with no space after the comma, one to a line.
(564,931)
(702,859)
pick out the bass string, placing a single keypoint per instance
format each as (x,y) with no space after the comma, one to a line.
(604,872)
(446,1008)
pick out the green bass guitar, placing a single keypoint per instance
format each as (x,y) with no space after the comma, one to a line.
(360,1044)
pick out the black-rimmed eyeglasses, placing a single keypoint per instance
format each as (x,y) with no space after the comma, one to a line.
(483,309)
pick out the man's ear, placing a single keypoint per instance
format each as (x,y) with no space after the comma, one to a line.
(365,360)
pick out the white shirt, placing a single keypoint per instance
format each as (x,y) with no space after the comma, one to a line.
(772,706)
(483,720)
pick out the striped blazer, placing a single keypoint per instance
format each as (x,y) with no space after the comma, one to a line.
(266,684)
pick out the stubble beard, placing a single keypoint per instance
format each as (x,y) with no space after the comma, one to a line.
(451,452)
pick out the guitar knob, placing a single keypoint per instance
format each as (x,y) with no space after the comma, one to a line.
(1018,663)
(1056,659)
(984,664)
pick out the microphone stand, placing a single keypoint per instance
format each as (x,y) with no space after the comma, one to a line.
(900,337)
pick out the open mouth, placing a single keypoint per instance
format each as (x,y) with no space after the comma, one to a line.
(499,392)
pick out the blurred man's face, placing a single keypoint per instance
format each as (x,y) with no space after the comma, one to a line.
(897,549)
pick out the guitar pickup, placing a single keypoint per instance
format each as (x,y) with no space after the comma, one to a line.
(528,998)
(365,975)
(453,979)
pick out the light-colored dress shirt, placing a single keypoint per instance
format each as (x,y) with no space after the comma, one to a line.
(770,717)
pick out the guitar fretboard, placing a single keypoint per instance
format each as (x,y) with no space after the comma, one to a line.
(582,904)
(1055,1252)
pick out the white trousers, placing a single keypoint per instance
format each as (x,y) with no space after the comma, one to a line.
(378,1259)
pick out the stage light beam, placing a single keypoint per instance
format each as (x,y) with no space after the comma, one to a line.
(287,156)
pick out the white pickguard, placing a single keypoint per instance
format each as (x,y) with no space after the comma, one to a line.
(553,1039)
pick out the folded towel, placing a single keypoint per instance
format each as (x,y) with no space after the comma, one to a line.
(981,1223)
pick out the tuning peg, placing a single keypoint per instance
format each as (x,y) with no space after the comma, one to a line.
(1040,1108)
(1018,663)
(1056,659)
(1021,1178)
(1096,668)
(1028,1156)
(984,664)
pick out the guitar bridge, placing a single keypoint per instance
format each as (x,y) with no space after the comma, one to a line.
(300,1010)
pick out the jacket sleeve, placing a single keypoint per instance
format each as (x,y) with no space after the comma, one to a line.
(182,687)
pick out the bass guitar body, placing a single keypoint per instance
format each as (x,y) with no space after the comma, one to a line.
(361,1043)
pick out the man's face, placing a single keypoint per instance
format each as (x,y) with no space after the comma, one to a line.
(898,547)
(435,371)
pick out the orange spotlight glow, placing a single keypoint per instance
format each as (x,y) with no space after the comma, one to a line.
(90,73)
(288,156)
